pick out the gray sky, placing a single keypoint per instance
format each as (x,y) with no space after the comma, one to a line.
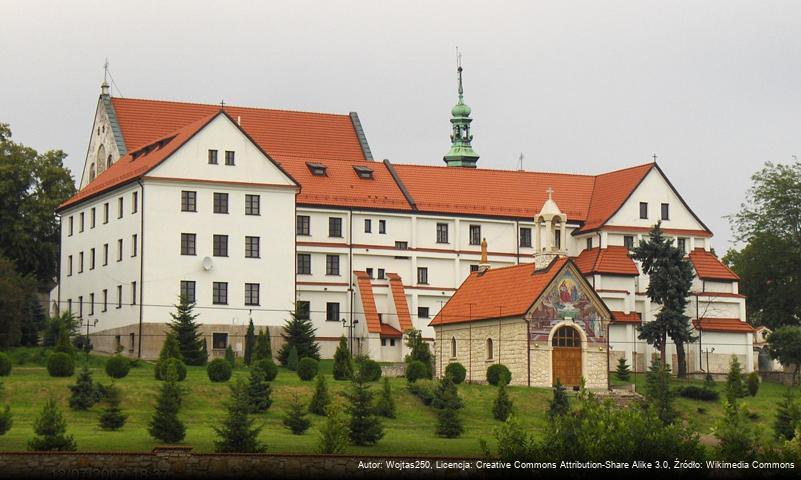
(712,87)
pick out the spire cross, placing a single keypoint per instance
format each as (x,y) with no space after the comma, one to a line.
(105,71)
(550,192)
(222,104)
(654,156)
(459,71)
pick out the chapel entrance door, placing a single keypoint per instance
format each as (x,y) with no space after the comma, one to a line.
(566,356)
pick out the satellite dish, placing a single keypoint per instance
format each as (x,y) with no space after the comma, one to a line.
(207,263)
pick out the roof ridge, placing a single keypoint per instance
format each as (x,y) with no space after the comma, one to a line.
(480,169)
(179,102)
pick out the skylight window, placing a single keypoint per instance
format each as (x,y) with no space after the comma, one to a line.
(364,172)
(317,169)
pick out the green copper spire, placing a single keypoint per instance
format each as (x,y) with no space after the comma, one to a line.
(461,153)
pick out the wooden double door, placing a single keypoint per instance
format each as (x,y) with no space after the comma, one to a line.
(566,356)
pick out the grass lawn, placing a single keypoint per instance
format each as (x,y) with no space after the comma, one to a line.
(411,433)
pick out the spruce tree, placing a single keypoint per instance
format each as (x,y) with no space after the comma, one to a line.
(295,418)
(263,350)
(230,357)
(364,427)
(385,405)
(63,343)
(165,424)
(169,349)
(51,431)
(187,332)
(238,433)
(622,373)
(560,404)
(292,359)
(419,350)
(301,334)
(738,437)
(6,421)
(250,343)
(84,393)
(321,399)
(333,433)
(502,407)
(343,362)
(259,392)
(447,402)
(788,416)
(658,393)
(735,386)
(112,417)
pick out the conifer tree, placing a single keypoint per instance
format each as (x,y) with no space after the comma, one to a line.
(301,334)
(447,402)
(321,399)
(165,424)
(6,421)
(63,343)
(263,349)
(333,433)
(292,359)
(735,386)
(230,357)
(169,349)
(788,416)
(343,362)
(502,407)
(419,350)
(658,393)
(187,332)
(560,404)
(623,373)
(84,393)
(112,417)
(259,391)
(238,434)
(295,418)
(51,431)
(364,427)
(385,406)
(738,437)
(250,343)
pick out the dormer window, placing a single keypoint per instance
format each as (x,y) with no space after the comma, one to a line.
(317,169)
(363,172)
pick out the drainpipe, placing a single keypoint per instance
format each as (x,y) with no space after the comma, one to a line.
(608,364)
(60,253)
(141,263)
(528,349)
(517,234)
(350,276)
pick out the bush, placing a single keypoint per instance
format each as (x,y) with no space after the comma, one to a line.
(170,363)
(502,407)
(343,364)
(219,370)
(385,405)
(321,399)
(60,364)
(456,371)
(498,372)
(118,366)
(369,370)
(295,417)
(753,383)
(699,393)
(5,365)
(423,389)
(415,371)
(269,368)
(307,368)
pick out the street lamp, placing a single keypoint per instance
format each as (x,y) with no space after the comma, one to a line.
(350,331)
(88,323)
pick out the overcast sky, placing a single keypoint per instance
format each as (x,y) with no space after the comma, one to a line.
(713,88)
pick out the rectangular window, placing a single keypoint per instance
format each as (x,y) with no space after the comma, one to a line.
(220,248)
(69,265)
(133,293)
(302,309)
(557,238)
(304,264)
(134,245)
(229,157)
(422,312)
(80,307)
(681,243)
(383,342)
(80,262)
(381,274)
(422,275)
(80,224)
(119,207)
(135,202)
(370,272)
(92,216)
(105,212)
(332,311)
(475,234)
(442,233)
(119,296)
(589,243)
(91,304)
(251,294)
(473,268)
(188,243)
(188,201)
(332,264)
(212,157)
(92,259)
(382,227)
(303,225)
(219,294)
(525,237)
(70,223)
(252,205)
(368,225)
(219,341)
(220,202)
(643,210)
(665,211)
(105,254)
(251,247)
(402,245)
(188,290)
(119,250)
(69,305)
(628,241)
(334,227)
(105,299)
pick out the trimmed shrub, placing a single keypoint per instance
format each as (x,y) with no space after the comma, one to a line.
(118,366)
(166,365)
(498,372)
(219,370)
(307,368)
(60,364)
(753,383)
(456,371)
(369,370)
(699,393)
(5,365)
(416,370)
(269,368)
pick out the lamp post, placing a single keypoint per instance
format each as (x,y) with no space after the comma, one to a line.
(350,332)
(88,323)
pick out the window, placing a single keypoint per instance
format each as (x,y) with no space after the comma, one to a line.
(69,305)
(80,262)
(105,214)
(370,272)
(628,241)
(302,309)
(251,294)
(332,264)
(219,341)
(92,216)
(589,243)
(188,290)
(525,237)
(212,157)
(105,299)
(566,337)
(252,204)
(453,347)
(69,265)
(119,296)
(332,311)
(219,294)
(133,293)
(382,227)
(220,248)
(334,227)
(188,243)
(475,234)
(188,201)
(363,172)
(302,225)
(220,202)
(402,245)
(105,254)
(557,238)
(383,342)
(304,264)
(316,169)
(643,210)
(119,250)
(119,207)
(368,225)
(70,225)
(80,227)
(92,259)
(442,233)
(134,245)
(135,202)
(131,341)
(489,349)
(381,274)
(229,157)
(681,243)
(473,268)
(251,247)
(422,312)
(665,211)
(91,304)
(80,307)
(422,275)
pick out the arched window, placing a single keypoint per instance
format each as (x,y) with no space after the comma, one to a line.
(108,162)
(566,337)
(453,347)
(490,355)
(91,172)
(100,159)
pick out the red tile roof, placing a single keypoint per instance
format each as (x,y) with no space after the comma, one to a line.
(708,267)
(725,325)
(609,193)
(612,260)
(390,331)
(498,293)
(368,301)
(631,317)
(399,297)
